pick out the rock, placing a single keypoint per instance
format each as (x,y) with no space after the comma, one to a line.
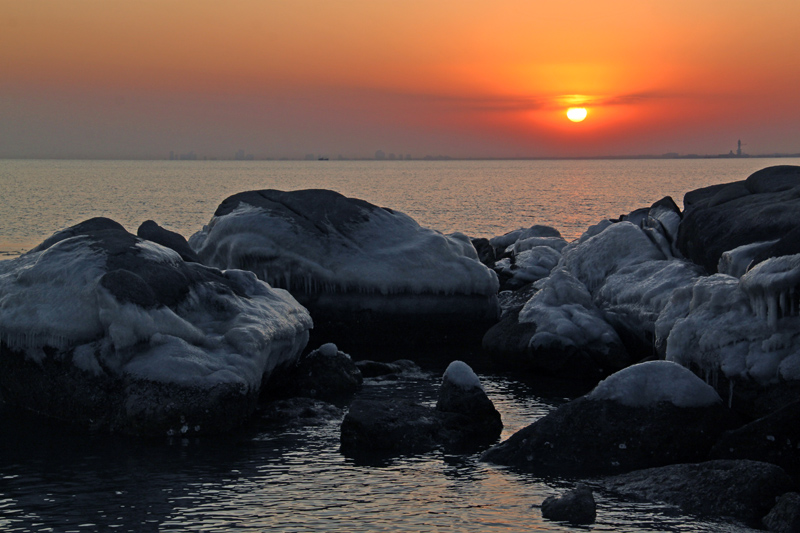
(373,369)
(485,251)
(743,490)
(560,332)
(370,276)
(325,373)
(463,420)
(716,219)
(298,412)
(785,516)
(576,506)
(389,426)
(114,333)
(151,231)
(774,439)
(650,414)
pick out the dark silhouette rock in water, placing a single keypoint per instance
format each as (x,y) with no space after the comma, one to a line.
(771,439)
(463,420)
(373,369)
(107,331)
(370,276)
(764,207)
(153,232)
(743,490)
(650,414)
(324,373)
(576,506)
(785,516)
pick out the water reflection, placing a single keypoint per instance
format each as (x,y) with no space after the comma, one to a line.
(286,479)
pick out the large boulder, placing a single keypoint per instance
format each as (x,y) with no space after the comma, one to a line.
(785,516)
(764,207)
(370,276)
(650,414)
(101,328)
(464,419)
(742,490)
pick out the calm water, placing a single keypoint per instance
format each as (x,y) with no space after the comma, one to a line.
(479,198)
(295,479)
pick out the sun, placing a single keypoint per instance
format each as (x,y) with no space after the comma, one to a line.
(576,114)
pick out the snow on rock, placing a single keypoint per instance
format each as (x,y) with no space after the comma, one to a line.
(461,375)
(565,315)
(736,262)
(655,381)
(343,257)
(616,246)
(97,304)
(633,298)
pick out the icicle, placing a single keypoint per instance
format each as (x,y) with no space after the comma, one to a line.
(730,394)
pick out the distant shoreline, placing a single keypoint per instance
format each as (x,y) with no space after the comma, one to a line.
(426,158)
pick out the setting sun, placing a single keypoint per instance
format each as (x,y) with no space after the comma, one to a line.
(576,114)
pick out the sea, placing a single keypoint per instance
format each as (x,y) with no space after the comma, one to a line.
(292,478)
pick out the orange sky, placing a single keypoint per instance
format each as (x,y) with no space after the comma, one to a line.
(466,78)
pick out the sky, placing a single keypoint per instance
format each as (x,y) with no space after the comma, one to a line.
(465,78)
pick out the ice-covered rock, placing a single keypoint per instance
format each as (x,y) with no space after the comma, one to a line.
(150,231)
(100,327)
(558,331)
(652,414)
(743,490)
(633,298)
(368,275)
(765,206)
(742,331)
(736,262)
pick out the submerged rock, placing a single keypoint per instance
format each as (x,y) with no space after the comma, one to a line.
(743,490)
(370,276)
(103,329)
(650,414)
(373,369)
(464,420)
(576,506)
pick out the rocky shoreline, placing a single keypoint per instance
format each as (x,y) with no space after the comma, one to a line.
(688,320)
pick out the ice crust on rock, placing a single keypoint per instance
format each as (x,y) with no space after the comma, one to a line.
(614,246)
(565,314)
(736,262)
(721,333)
(773,287)
(461,374)
(227,327)
(318,241)
(652,382)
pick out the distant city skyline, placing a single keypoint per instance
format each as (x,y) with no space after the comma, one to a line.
(475,79)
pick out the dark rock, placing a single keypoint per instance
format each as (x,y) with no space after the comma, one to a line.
(389,426)
(485,251)
(743,490)
(789,244)
(774,439)
(325,373)
(464,420)
(576,506)
(587,437)
(373,369)
(785,516)
(153,232)
(297,412)
(716,219)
